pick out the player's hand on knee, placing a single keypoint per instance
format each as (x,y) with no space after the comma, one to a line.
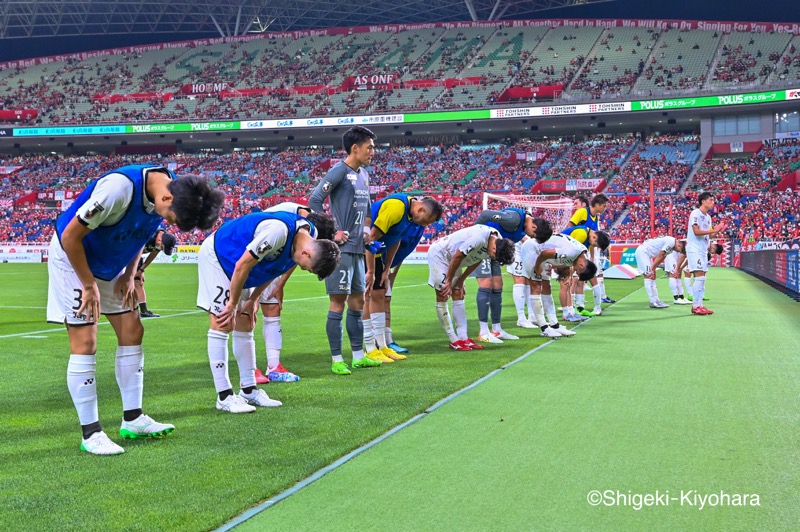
(90,303)
(126,287)
(226,317)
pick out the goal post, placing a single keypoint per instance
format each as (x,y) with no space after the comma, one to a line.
(555,209)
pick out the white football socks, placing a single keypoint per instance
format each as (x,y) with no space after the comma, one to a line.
(129,366)
(273,339)
(82,385)
(218,359)
(445,320)
(460,319)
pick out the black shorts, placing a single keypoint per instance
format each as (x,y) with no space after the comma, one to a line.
(380,267)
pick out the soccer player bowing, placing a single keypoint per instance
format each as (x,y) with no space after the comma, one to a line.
(560,252)
(93,257)
(649,256)
(392,218)
(271,299)
(236,263)
(515,224)
(464,248)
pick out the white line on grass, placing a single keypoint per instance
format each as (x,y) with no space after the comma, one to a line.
(63,329)
(252,512)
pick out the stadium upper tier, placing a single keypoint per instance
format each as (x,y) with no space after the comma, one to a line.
(458,175)
(352,71)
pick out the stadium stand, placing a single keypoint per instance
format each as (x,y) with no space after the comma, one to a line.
(431,68)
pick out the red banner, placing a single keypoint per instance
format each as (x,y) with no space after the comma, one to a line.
(15,115)
(140,97)
(540,92)
(26,200)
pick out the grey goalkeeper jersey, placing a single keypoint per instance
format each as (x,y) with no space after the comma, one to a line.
(349,201)
(508,220)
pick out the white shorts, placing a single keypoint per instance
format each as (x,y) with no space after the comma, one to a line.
(670,264)
(438,266)
(65,292)
(269,296)
(644,263)
(600,260)
(696,262)
(515,268)
(529,256)
(214,288)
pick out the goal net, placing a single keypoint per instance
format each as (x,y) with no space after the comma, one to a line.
(555,209)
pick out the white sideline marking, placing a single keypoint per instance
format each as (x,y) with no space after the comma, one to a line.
(265,505)
(34,336)
(64,329)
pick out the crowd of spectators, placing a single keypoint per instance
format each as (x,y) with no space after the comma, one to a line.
(748,174)
(737,66)
(668,167)
(593,159)
(458,175)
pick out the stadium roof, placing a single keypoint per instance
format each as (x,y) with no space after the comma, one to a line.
(21,19)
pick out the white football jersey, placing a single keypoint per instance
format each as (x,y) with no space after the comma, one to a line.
(698,244)
(471,241)
(654,246)
(288,206)
(567,249)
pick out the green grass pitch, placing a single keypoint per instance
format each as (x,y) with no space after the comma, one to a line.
(637,401)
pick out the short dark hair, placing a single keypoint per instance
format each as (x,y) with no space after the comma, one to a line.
(588,272)
(599,199)
(562,272)
(583,199)
(717,249)
(504,251)
(328,257)
(356,135)
(323,223)
(167,243)
(603,240)
(432,205)
(703,196)
(543,230)
(195,202)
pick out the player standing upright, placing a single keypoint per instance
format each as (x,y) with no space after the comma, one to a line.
(698,238)
(92,260)
(347,185)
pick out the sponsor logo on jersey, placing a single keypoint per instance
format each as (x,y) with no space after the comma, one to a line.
(326,186)
(263,248)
